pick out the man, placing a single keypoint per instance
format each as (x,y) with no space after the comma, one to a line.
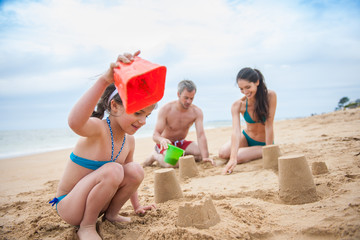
(174,121)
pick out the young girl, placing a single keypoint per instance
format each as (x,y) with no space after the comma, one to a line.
(258,109)
(101,175)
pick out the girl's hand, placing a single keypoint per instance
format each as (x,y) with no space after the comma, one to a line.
(141,210)
(126,58)
(229,167)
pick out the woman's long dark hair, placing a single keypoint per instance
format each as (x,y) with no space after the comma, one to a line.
(261,104)
(104,103)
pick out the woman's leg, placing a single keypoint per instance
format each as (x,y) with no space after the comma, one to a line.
(224,151)
(249,149)
(89,196)
(246,154)
(133,176)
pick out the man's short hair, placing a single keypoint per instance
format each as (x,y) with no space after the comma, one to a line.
(188,84)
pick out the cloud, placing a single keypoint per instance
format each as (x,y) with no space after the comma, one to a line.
(56,46)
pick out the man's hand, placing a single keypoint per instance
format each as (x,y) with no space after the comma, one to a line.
(164,143)
(209,160)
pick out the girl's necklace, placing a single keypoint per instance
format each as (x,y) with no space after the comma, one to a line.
(112,142)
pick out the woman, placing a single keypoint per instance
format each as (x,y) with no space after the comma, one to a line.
(258,109)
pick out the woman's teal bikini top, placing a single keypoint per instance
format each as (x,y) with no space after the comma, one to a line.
(247,117)
(92,164)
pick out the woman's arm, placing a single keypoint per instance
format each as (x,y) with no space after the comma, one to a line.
(269,124)
(235,137)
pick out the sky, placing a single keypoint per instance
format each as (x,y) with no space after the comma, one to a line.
(52,51)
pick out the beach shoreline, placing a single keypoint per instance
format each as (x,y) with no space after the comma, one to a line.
(247,201)
(26,142)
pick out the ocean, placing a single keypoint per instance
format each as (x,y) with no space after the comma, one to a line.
(15,143)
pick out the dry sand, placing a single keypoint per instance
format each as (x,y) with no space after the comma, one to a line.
(247,201)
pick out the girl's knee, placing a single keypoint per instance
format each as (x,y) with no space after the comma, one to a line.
(113,173)
(134,172)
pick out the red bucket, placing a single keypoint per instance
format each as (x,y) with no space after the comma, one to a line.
(140,83)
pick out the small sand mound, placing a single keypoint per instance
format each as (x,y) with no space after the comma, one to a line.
(319,168)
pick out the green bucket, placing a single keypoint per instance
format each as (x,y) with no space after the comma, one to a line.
(173,154)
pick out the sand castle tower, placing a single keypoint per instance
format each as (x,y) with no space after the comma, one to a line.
(166,185)
(319,168)
(296,184)
(187,167)
(201,214)
(270,155)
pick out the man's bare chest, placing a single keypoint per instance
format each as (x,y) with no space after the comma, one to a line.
(180,122)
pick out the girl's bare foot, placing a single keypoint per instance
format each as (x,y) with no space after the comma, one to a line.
(117,218)
(88,233)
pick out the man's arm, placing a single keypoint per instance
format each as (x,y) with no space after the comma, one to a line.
(201,137)
(159,128)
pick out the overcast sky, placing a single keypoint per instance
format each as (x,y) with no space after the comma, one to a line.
(51,52)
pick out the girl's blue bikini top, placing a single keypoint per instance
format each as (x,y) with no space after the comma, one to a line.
(92,164)
(86,163)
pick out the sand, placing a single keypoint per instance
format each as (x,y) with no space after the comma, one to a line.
(246,201)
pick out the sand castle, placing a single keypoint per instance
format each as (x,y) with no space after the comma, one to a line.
(187,167)
(270,154)
(166,185)
(296,184)
(319,168)
(201,214)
